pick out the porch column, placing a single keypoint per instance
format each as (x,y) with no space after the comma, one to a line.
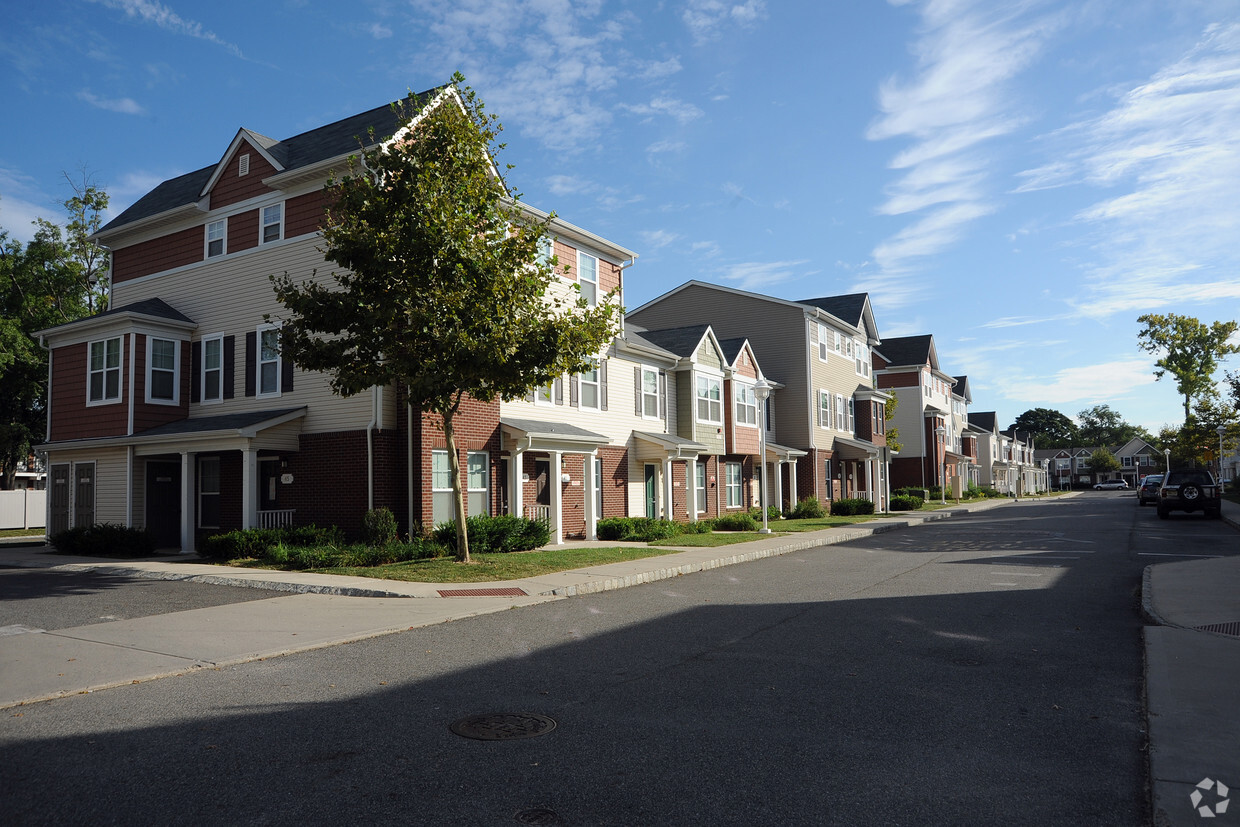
(792,482)
(667,490)
(591,490)
(779,485)
(516,487)
(691,488)
(187,502)
(557,498)
(249,488)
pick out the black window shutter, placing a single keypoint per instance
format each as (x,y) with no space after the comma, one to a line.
(662,395)
(286,374)
(230,343)
(602,385)
(195,371)
(251,345)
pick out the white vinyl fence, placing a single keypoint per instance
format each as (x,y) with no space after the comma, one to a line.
(22,509)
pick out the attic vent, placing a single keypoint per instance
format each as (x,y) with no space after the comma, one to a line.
(243,165)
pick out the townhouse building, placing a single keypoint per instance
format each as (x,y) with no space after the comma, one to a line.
(828,416)
(1069,467)
(932,451)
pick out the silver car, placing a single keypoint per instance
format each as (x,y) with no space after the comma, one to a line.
(1111,485)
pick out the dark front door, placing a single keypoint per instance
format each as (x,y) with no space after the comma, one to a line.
(268,482)
(58,494)
(84,494)
(652,502)
(542,484)
(163,503)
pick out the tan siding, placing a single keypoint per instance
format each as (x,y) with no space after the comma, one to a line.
(232,188)
(159,254)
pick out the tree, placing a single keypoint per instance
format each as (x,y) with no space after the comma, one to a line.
(443,291)
(893,433)
(1050,428)
(1196,441)
(1100,425)
(54,279)
(1190,351)
(1100,462)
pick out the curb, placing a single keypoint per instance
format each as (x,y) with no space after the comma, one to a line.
(241,582)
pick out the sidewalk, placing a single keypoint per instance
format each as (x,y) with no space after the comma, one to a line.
(1192,683)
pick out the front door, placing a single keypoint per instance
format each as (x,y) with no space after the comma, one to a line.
(652,492)
(84,494)
(163,503)
(542,481)
(268,480)
(58,497)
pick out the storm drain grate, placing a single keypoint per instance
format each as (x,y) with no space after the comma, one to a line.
(502,726)
(510,592)
(1230,628)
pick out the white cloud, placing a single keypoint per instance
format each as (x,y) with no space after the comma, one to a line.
(665,146)
(706,19)
(680,110)
(656,70)
(126,106)
(1084,384)
(759,275)
(658,239)
(165,18)
(21,202)
(378,31)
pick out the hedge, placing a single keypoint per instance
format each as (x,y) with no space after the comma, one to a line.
(636,529)
(906,503)
(499,534)
(104,540)
(849,507)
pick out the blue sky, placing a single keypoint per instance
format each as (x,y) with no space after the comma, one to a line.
(1021,179)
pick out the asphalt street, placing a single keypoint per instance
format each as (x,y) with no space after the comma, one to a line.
(982,670)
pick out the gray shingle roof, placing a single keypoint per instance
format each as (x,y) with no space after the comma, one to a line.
(847,308)
(679,340)
(907,350)
(983,419)
(329,141)
(732,348)
(224,422)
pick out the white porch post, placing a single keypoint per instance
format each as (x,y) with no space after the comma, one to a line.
(516,487)
(792,483)
(667,489)
(691,488)
(557,499)
(249,488)
(187,502)
(591,486)
(779,485)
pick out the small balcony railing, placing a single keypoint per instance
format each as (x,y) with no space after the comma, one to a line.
(539,513)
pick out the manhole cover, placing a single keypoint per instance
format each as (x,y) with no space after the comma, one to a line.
(503,726)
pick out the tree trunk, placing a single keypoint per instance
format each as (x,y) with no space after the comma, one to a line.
(458,496)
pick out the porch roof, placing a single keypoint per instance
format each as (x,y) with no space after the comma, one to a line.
(675,446)
(782,452)
(854,448)
(206,433)
(551,436)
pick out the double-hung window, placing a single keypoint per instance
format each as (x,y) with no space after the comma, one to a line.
(273,224)
(746,405)
(216,236)
(709,400)
(478,474)
(587,277)
(213,369)
(841,422)
(824,409)
(701,486)
(543,394)
(588,388)
(650,393)
(546,250)
(822,341)
(161,370)
(732,482)
(104,377)
(268,361)
(442,506)
(862,356)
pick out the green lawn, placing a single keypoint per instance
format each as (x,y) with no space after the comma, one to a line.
(22,532)
(719,538)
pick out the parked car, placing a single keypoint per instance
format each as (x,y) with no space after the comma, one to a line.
(1111,485)
(1190,490)
(1148,492)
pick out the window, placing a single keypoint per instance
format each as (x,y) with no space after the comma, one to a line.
(732,481)
(841,422)
(273,222)
(104,377)
(161,370)
(213,369)
(746,405)
(839,343)
(650,393)
(598,488)
(709,400)
(478,472)
(588,388)
(268,361)
(543,394)
(587,277)
(862,355)
(216,231)
(824,409)
(822,342)
(442,507)
(1127,462)
(209,492)
(700,471)
(546,250)
(852,416)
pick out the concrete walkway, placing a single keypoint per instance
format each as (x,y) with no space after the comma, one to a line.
(1192,648)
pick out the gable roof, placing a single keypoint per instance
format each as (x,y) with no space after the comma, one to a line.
(985,420)
(682,341)
(335,140)
(853,308)
(910,350)
(962,389)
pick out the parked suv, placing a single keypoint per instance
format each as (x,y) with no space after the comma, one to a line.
(1189,491)
(1148,492)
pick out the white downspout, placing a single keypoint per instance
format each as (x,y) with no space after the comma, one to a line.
(409,463)
(370,448)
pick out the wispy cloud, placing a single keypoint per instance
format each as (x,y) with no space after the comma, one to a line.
(707,19)
(657,239)
(126,106)
(1083,384)
(21,202)
(760,275)
(681,111)
(149,11)
(607,198)
(967,55)
(378,31)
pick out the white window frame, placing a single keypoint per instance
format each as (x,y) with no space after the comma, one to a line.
(732,485)
(841,422)
(824,411)
(204,370)
(700,492)
(598,488)
(546,250)
(544,394)
(151,370)
(714,406)
(596,383)
(823,347)
(472,491)
(590,292)
(106,369)
(441,483)
(648,396)
(264,221)
(221,237)
(839,342)
(851,425)
(861,358)
(746,402)
(203,493)
(260,361)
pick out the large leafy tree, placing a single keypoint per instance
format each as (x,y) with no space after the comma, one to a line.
(443,290)
(1050,428)
(1188,349)
(1100,425)
(1101,461)
(58,277)
(1196,442)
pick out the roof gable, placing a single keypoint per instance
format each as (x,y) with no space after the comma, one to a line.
(911,350)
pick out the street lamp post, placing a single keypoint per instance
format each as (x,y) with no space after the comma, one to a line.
(1166,462)
(1221,429)
(762,389)
(941,432)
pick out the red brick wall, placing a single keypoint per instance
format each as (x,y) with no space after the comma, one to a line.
(159,254)
(811,476)
(230,188)
(476,427)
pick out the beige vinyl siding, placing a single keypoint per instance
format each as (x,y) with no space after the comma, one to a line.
(110,473)
(838,375)
(229,297)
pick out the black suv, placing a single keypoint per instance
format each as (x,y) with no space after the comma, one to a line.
(1189,491)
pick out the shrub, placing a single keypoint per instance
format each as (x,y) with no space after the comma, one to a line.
(736,522)
(922,493)
(258,543)
(636,529)
(906,503)
(772,513)
(104,540)
(499,534)
(700,527)
(851,506)
(808,508)
(379,527)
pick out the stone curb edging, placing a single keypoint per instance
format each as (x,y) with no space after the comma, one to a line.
(240,582)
